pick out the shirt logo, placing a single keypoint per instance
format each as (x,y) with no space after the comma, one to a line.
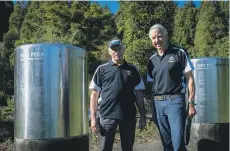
(171,59)
(129,73)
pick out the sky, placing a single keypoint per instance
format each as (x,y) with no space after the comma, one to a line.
(114,5)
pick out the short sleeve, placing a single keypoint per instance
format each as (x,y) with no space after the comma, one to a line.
(186,62)
(140,84)
(149,71)
(96,83)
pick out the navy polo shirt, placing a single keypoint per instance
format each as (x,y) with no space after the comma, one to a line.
(116,85)
(167,71)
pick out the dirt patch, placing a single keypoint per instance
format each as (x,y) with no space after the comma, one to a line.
(143,138)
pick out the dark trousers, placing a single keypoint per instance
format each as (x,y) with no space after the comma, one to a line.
(171,115)
(108,130)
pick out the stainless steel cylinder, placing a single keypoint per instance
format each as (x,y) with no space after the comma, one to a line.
(51,91)
(211,76)
(210,127)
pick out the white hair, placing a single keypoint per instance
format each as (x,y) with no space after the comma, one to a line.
(158,27)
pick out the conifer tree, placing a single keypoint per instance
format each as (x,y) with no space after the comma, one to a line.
(185,26)
(78,23)
(133,22)
(6,8)
(13,34)
(211,30)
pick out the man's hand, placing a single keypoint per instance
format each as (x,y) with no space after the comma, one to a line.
(94,125)
(142,122)
(192,111)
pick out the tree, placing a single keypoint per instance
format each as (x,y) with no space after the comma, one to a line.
(100,28)
(78,23)
(133,22)
(185,26)
(13,34)
(6,8)
(211,30)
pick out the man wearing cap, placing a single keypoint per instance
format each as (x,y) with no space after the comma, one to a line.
(168,69)
(116,91)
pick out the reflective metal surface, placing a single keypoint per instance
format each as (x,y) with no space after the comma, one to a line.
(212,90)
(51,91)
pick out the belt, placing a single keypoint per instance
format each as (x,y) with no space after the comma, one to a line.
(165,97)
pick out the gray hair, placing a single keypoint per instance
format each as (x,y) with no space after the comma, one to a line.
(158,27)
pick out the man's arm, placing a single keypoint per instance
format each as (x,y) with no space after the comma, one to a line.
(141,108)
(93,109)
(191,88)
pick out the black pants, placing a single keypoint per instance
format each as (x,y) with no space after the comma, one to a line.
(108,130)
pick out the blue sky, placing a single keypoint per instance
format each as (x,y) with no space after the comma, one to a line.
(114,5)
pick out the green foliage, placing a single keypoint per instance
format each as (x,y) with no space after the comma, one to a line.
(211,30)
(133,22)
(9,42)
(222,47)
(13,34)
(31,29)
(2,52)
(185,26)
(204,31)
(17,17)
(81,24)
(141,52)
(6,78)
(6,8)
(6,111)
(2,99)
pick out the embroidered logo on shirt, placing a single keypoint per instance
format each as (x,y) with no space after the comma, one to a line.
(171,59)
(129,73)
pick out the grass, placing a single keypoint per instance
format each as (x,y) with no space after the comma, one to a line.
(149,133)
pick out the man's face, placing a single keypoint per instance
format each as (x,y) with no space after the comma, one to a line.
(159,40)
(116,52)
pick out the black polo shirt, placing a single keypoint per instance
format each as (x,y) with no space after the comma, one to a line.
(116,85)
(167,71)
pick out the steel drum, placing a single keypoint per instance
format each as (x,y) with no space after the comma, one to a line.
(51,92)
(210,127)
(212,89)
